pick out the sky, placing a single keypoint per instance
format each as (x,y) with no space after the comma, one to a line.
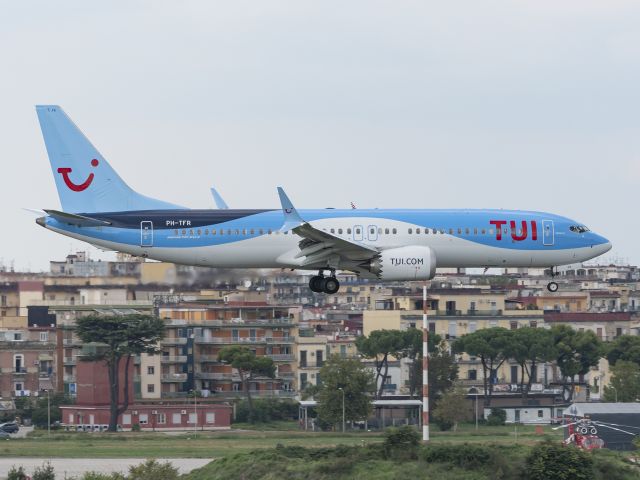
(530,105)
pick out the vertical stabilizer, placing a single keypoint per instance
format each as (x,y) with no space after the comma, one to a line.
(85,180)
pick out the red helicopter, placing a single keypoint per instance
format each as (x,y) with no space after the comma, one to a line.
(583,432)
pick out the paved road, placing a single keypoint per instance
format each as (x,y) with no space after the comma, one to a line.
(71,467)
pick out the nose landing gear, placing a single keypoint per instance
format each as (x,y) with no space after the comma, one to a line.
(321,284)
(553,286)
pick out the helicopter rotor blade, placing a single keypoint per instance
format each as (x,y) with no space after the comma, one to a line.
(613,428)
(564,426)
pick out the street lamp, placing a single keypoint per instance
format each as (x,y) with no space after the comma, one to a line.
(343,424)
(48,411)
(615,391)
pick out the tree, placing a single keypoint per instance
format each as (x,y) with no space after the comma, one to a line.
(552,460)
(380,345)
(576,353)
(356,381)
(40,415)
(625,382)
(490,346)
(117,339)
(528,347)
(249,366)
(452,407)
(625,347)
(443,370)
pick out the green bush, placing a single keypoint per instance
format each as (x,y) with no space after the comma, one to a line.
(266,410)
(401,443)
(135,427)
(45,472)
(443,424)
(609,465)
(153,470)
(464,456)
(554,461)
(497,417)
(103,476)
(16,474)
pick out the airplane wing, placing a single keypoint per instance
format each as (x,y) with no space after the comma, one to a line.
(78,220)
(220,203)
(321,249)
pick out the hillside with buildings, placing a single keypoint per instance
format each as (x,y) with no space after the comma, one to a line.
(276,315)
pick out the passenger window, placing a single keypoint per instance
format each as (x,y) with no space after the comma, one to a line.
(459,231)
(221,231)
(261,231)
(442,231)
(357,231)
(199,232)
(333,230)
(475,231)
(237,231)
(349,231)
(417,230)
(244,231)
(252,231)
(451,231)
(466,231)
(176,232)
(270,232)
(484,231)
(372,231)
(394,231)
(410,231)
(229,232)
(213,232)
(339,231)
(386,231)
(191,232)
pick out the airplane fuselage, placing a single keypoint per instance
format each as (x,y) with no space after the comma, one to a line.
(253,238)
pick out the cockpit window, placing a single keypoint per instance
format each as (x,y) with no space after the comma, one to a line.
(578,228)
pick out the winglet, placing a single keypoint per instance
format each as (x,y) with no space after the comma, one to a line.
(291,217)
(220,203)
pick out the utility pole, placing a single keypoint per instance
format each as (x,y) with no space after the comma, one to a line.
(48,413)
(425,367)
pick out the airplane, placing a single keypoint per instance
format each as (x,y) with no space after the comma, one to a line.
(98,207)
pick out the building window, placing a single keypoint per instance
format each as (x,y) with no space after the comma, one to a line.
(126,419)
(514,325)
(193,418)
(151,388)
(143,419)
(473,374)
(210,418)
(151,370)
(44,336)
(162,418)
(540,413)
(176,419)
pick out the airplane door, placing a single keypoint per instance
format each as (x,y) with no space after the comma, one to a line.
(146,234)
(358,235)
(547,232)
(372,233)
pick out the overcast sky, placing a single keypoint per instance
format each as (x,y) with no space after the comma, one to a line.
(499,104)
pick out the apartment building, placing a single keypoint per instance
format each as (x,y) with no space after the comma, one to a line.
(197,331)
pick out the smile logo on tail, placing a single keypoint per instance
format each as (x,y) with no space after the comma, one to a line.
(65,171)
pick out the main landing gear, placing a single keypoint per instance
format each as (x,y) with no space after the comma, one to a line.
(553,286)
(321,284)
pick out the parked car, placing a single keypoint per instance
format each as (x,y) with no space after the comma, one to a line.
(4,435)
(9,427)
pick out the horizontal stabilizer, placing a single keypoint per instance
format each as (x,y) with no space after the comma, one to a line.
(77,220)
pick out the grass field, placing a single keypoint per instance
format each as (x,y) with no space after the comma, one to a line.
(220,444)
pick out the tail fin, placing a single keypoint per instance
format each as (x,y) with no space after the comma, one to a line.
(85,180)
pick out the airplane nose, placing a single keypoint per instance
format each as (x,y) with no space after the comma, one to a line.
(601,244)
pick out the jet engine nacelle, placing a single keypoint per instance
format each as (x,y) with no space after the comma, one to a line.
(405,263)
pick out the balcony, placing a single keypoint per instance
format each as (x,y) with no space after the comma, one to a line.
(286,375)
(174,341)
(247,322)
(230,340)
(69,379)
(69,361)
(216,375)
(20,371)
(173,359)
(174,377)
(281,339)
(257,394)
(281,357)
(208,358)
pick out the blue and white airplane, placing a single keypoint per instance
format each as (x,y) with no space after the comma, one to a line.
(98,207)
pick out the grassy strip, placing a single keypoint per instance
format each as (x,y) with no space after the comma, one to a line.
(220,444)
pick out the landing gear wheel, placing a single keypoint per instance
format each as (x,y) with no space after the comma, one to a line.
(331,285)
(316,284)
(552,287)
